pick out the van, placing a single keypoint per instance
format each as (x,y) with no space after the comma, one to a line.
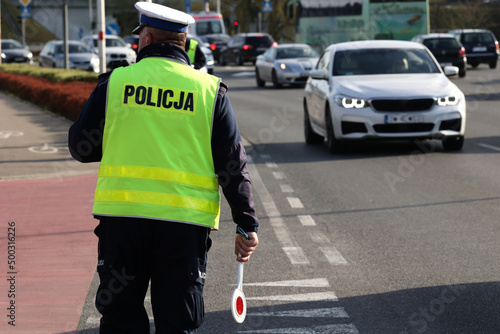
(207,23)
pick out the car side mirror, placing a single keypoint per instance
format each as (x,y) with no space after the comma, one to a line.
(318,74)
(450,71)
(129,45)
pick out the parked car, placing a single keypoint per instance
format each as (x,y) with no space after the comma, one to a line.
(447,50)
(285,64)
(133,40)
(382,90)
(15,52)
(118,52)
(216,42)
(209,57)
(481,46)
(245,47)
(80,56)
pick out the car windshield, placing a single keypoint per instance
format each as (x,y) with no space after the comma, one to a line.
(73,48)
(383,61)
(441,43)
(295,52)
(11,45)
(208,27)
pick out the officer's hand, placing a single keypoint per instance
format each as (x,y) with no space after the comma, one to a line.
(245,247)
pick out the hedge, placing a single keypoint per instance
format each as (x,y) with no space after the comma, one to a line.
(63,92)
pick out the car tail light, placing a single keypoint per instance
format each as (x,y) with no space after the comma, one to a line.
(274,44)
(461,53)
(135,46)
(247,47)
(496,46)
(213,46)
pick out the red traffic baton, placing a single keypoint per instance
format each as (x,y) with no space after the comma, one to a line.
(238,300)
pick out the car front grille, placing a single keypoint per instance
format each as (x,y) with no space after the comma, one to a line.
(402,105)
(403,128)
(116,55)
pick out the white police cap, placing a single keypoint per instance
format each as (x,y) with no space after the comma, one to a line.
(162,17)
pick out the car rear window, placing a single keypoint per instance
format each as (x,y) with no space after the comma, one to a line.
(441,43)
(477,37)
(259,41)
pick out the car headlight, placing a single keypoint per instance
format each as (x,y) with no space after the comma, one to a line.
(284,67)
(3,55)
(131,53)
(29,55)
(349,103)
(447,101)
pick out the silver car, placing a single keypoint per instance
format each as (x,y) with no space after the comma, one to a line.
(382,90)
(285,64)
(80,56)
(118,52)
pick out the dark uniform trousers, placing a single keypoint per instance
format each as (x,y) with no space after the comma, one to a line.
(133,251)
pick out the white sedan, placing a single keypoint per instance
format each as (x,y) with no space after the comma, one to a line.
(382,90)
(285,64)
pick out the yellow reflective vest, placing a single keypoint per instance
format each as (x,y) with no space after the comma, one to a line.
(157,157)
(192,50)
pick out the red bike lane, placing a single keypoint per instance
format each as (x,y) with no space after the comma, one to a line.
(48,250)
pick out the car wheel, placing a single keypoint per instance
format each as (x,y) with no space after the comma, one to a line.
(222,61)
(461,72)
(309,134)
(238,60)
(276,84)
(493,64)
(474,65)
(333,144)
(453,143)
(260,82)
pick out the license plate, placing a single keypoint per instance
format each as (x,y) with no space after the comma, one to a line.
(261,49)
(479,49)
(19,59)
(391,119)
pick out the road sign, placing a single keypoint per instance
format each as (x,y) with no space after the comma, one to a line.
(267,6)
(112,29)
(25,2)
(25,12)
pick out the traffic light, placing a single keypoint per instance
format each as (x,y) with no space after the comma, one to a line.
(235,23)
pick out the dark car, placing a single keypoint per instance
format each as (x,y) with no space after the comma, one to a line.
(446,49)
(133,40)
(245,48)
(216,42)
(15,52)
(481,46)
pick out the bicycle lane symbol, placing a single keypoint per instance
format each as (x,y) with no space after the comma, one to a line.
(46,148)
(6,134)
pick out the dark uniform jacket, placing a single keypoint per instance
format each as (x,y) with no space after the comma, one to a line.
(199,57)
(85,139)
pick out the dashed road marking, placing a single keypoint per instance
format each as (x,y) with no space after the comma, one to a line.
(300,297)
(306,283)
(286,188)
(333,255)
(330,329)
(331,312)
(288,244)
(306,220)
(279,175)
(295,202)
(271,164)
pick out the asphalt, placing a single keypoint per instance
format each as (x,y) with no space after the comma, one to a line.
(46,226)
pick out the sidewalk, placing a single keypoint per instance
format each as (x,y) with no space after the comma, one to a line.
(47,223)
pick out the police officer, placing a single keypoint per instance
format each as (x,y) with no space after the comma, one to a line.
(196,55)
(167,139)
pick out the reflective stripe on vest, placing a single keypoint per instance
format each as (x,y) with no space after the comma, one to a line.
(192,50)
(157,159)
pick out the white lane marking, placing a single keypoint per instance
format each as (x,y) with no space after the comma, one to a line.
(295,202)
(327,329)
(279,175)
(296,255)
(333,312)
(306,220)
(319,238)
(306,283)
(244,74)
(290,247)
(286,188)
(301,297)
(333,255)
(45,149)
(271,164)
(494,148)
